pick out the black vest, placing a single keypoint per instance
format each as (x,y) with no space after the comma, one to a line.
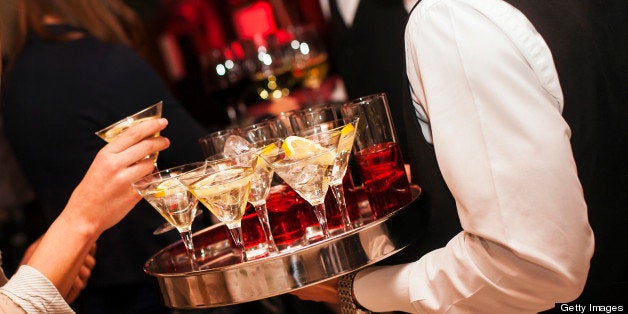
(369,55)
(588,41)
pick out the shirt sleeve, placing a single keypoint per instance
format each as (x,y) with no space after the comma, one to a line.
(34,293)
(486,84)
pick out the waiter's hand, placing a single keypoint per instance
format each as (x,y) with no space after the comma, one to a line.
(323,292)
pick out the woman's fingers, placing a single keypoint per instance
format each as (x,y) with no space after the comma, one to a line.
(135,134)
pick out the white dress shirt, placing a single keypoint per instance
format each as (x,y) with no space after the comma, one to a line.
(31,292)
(484,84)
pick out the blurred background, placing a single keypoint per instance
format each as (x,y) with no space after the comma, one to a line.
(233,62)
(236,62)
(228,62)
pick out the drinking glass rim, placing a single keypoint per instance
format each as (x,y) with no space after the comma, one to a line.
(254,151)
(363,99)
(353,120)
(291,162)
(211,160)
(317,108)
(127,118)
(224,132)
(158,176)
(269,141)
(255,126)
(195,178)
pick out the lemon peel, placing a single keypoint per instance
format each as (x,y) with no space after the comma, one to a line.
(168,188)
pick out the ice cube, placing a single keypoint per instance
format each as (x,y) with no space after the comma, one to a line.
(236,145)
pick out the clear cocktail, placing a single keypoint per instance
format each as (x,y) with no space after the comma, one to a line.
(172,200)
(225,192)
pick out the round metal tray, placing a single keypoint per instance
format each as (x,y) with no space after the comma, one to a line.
(225,280)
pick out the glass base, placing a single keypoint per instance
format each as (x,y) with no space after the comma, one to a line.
(257,251)
(294,245)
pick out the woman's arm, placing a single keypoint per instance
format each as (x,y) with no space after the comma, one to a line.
(102,199)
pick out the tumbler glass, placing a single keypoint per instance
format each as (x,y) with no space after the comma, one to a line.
(378,155)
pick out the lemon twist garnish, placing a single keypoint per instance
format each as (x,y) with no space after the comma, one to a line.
(300,147)
(346,130)
(347,134)
(169,187)
(267,150)
(297,147)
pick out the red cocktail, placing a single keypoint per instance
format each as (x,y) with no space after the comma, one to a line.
(283,215)
(384,178)
(334,217)
(255,244)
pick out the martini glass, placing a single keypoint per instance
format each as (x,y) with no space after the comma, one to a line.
(111,132)
(260,187)
(165,192)
(264,136)
(307,167)
(224,189)
(343,153)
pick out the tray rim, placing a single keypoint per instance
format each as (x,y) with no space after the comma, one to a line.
(316,247)
(322,242)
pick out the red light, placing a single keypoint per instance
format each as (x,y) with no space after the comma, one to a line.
(255,20)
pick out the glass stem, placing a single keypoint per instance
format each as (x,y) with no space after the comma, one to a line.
(186,236)
(339,194)
(236,234)
(262,214)
(319,211)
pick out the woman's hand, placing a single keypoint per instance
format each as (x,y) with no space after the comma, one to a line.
(105,195)
(101,200)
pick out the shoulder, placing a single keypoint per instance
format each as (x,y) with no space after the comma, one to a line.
(482,28)
(498,11)
(121,60)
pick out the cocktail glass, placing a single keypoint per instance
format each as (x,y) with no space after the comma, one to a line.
(214,143)
(283,213)
(261,131)
(378,155)
(263,134)
(310,60)
(224,189)
(308,117)
(260,187)
(111,132)
(343,153)
(165,192)
(282,121)
(307,167)
(269,65)
(262,177)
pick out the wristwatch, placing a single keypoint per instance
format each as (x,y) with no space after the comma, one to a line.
(348,305)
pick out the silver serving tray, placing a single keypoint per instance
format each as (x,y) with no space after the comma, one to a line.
(225,280)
